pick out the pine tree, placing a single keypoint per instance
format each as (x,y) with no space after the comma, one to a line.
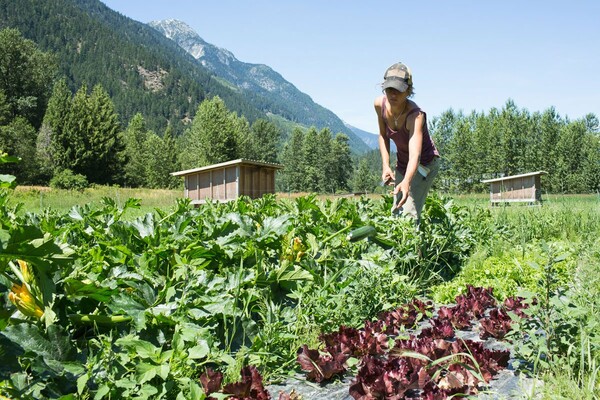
(135,139)
(326,162)
(291,179)
(364,180)
(69,149)
(311,161)
(211,138)
(82,134)
(18,139)
(569,158)
(549,128)
(4,109)
(493,150)
(266,138)
(103,160)
(342,167)
(162,160)
(512,138)
(245,143)
(52,140)
(26,76)
(170,159)
(460,156)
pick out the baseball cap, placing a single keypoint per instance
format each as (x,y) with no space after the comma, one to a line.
(398,76)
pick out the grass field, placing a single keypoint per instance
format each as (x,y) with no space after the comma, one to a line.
(38,198)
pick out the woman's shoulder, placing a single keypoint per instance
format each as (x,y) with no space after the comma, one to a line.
(379,101)
(414,110)
(412,106)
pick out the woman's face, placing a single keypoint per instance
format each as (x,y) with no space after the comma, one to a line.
(394,95)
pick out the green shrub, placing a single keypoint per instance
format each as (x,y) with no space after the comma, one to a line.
(66,179)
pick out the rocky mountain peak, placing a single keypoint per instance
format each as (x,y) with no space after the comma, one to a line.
(279,96)
(188,39)
(173,27)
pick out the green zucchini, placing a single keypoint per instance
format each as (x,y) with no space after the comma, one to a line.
(381,242)
(99,319)
(361,233)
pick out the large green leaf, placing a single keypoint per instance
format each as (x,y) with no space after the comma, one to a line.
(8,181)
(145,226)
(142,348)
(9,353)
(292,273)
(201,350)
(78,289)
(53,345)
(30,244)
(277,226)
(123,303)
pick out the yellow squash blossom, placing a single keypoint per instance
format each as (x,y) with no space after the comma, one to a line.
(21,297)
(25,271)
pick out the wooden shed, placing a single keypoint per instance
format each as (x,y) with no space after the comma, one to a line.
(229,180)
(516,188)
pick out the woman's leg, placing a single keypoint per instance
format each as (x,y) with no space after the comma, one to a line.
(419,188)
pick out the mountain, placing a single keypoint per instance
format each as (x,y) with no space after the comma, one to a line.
(371,139)
(145,72)
(141,70)
(269,91)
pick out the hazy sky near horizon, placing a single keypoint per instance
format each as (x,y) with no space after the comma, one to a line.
(465,55)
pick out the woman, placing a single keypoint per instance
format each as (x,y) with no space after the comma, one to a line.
(402,121)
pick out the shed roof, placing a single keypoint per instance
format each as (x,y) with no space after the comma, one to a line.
(506,178)
(240,161)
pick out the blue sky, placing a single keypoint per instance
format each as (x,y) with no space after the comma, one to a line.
(465,55)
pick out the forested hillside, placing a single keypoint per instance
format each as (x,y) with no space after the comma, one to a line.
(142,71)
(71,139)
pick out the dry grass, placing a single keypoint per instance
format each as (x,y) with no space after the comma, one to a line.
(38,198)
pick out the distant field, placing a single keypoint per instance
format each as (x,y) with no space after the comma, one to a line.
(38,198)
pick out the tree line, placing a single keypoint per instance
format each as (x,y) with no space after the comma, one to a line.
(512,141)
(316,162)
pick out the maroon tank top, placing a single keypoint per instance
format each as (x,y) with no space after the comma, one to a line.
(401,136)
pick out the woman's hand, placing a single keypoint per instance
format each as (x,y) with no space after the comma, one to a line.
(387,176)
(403,187)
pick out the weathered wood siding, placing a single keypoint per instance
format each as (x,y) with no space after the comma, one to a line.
(227,181)
(256,181)
(518,188)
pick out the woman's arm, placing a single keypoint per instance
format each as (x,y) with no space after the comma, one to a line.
(384,145)
(415,144)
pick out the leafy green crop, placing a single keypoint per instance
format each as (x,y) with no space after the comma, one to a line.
(509,273)
(140,308)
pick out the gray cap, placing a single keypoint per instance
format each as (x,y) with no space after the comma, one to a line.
(398,77)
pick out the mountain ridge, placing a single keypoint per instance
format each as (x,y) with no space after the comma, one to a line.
(97,45)
(278,95)
(371,139)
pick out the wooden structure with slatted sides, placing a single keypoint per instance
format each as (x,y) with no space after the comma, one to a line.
(524,188)
(229,180)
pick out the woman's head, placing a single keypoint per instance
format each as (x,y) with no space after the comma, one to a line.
(398,77)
